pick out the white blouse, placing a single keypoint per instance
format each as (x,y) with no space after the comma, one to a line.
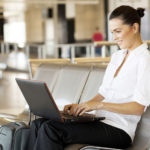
(132,84)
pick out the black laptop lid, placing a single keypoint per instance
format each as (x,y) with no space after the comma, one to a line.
(39,99)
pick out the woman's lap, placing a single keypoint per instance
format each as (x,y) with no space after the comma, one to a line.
(53,134)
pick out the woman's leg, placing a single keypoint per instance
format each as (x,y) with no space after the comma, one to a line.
(55,135)
(35,126)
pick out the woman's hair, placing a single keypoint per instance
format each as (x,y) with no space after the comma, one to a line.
(128,14)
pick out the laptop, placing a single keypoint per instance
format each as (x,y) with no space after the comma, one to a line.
(42,103)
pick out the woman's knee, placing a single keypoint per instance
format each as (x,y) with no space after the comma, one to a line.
(38,122)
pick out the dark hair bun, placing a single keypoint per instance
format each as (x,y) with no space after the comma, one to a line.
(140,11)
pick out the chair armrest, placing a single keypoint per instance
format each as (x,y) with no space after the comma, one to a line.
(92,60)
(35,63)
(96,148)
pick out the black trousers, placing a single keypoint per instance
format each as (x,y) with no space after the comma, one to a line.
(50,135)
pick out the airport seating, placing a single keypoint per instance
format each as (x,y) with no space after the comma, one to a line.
(35,63)
(75,83)
(49,70)
(94,75)
(93,80)
(70,84)
(85,77)
(142,135)
(48,73)
(141,140)
(67,81)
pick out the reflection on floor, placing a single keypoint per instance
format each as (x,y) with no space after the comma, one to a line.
(12,101)
(10,95)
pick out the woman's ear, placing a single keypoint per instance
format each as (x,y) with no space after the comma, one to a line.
(135,27)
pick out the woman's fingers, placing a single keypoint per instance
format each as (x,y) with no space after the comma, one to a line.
(67,108)
(83,111)
(80,109)
(72,109)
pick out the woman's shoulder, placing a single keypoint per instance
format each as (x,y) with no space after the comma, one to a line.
(144,58)
(145,54)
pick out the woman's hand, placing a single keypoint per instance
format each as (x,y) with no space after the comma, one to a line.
(68,109)
(80,109)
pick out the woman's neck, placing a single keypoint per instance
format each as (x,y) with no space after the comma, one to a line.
(136,44)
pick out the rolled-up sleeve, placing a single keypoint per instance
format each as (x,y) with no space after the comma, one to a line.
(142,89)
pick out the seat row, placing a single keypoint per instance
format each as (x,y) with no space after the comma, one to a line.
(71,83)
(77,83)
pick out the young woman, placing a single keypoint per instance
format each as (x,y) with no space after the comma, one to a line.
(122,98)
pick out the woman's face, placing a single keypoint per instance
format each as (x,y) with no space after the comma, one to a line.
(123,34)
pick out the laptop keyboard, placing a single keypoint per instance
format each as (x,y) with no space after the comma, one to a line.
(84,118)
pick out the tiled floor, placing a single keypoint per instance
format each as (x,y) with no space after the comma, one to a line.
(11,99)
(10,95)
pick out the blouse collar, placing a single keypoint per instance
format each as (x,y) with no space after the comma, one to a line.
(137,50)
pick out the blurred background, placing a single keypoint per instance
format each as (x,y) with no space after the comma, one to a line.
(53,29)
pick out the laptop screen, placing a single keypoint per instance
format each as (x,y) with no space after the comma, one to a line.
(39,99)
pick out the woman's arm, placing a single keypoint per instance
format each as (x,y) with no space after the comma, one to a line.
(95,100)
(98,98)
(132,108)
